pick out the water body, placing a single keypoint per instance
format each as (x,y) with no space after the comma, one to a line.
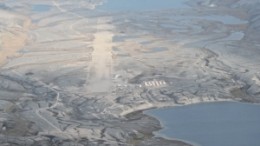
(40,8)
(142,5)
(225,19)
(157,50)
(235,36)
(3,6)
(212,124)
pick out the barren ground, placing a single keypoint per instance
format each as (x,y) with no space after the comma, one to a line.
(72,74)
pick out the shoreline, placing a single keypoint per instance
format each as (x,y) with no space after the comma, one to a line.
(108,69)
(165,137)
(162,122)
(149,135)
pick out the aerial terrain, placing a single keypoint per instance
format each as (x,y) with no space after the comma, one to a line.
(82,72)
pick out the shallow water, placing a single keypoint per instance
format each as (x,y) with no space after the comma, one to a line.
(142,5)
(212,124)
(157,49)
(225,19)
(3,6)
(40,8)
(235,36)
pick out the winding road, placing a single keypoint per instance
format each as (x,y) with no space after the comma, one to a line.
(38,111)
